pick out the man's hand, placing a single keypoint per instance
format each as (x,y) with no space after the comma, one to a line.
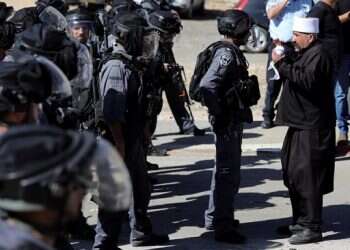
(276,56)
(345,17)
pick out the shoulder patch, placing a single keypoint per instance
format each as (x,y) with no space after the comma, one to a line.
(225,60)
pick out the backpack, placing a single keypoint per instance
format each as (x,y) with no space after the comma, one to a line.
(245,90)
(203,62)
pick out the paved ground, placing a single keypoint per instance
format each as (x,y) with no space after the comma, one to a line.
(181,195)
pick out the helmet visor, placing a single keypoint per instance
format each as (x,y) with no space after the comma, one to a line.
(150,44)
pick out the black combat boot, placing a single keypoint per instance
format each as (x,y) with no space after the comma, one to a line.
(231,236)
(306,236)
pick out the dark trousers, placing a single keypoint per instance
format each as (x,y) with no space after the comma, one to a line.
(225,179)
(108,225)
(307,211)
(108,229)
(308,172)
(178,107)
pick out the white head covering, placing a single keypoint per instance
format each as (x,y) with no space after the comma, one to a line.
(306,25)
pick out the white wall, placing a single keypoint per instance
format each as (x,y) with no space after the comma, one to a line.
(17,4)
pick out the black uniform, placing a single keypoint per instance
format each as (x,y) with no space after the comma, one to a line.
(120,87)
(307,108)
(226,69)
(330,29)
(342,7)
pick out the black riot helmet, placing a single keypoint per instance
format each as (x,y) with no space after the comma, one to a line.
(54,44)
(234,23)
(39,165)
(165,21)
(5,11)
(31,81)
(130,29)
(80,16)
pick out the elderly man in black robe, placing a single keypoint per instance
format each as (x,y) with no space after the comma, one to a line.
(307,107)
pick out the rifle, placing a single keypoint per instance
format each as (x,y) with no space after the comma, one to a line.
(178,77)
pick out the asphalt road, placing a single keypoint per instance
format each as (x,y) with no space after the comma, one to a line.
(181,194)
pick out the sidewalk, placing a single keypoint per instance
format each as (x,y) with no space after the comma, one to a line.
(181,195)
(180,198)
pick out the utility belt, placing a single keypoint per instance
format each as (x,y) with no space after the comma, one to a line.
(241,95)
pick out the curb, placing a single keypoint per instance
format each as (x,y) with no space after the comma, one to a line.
(256,149)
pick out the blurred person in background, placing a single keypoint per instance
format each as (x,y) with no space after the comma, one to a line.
(281,14)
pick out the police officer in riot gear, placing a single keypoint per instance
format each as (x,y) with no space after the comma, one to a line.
(26,84)
(70,56)
(227,68)
(45,173)
(80,24)
(169,73)
(44,189)
(123,115)
(74,60)
(81,27)
(23,86)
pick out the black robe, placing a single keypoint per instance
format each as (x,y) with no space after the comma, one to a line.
(307,106)
(308,161)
